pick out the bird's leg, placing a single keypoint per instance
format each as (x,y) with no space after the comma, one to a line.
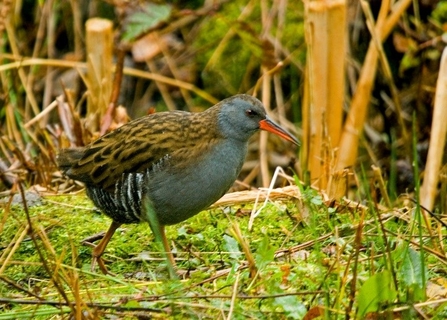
(167,251)
(99,249)
(159,233)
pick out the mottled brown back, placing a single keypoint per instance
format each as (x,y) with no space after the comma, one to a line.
(139,145)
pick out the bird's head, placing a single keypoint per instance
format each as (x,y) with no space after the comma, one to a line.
(242,115)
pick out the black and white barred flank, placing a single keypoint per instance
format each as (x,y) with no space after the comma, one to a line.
(124,205)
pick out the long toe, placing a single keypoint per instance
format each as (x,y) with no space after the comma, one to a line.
(98,260)
(101,265)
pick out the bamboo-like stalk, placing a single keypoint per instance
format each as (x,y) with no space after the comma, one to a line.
(437,139)
(99,46)
(263,156)
(324,88)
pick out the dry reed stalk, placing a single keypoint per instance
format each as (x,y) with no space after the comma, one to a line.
(279,95)
(77,27)
(266,94)
(172,65)
(44,149)
(355,257)
(322,113)
(379,179)
(443,192)
(41,39)
(13,132)
(99,46)
(30,98)
(50,42)
(234,295)
(338,184)
(429,186)
(270,75)
(263,156)
(127,71)
(236,232)
(162,87)
(252,174)
(250,196)
(218,51)
(359,105)
(108,119)
(386,71)
(305,127)
(12,248)
(6,154)
(41,115)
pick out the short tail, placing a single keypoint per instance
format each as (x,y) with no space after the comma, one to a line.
(67,158)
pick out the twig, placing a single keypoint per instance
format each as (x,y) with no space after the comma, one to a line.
(41,115)
(156,298)
(236,232)
(358,246)
(15,245)
(45,264)
(18,287)
(378,176)
(254,213)
(233,296)
(242,297)
(72,304)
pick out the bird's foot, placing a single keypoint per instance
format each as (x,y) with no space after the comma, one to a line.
(96,256)
(89,240)
(100,261)
(98,250)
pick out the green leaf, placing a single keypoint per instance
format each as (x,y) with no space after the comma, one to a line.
(377,291)
(317,200)
(265,252)
(142,21)
(411,269)
(411,274)
(132,304)
(409,60)
(292,306)
(232,246)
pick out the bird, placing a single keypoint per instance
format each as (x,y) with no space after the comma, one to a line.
(166,167)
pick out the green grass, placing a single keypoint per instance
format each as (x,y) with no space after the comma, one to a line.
(334,261)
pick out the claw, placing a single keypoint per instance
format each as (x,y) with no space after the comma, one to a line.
(101,265)
(99,249)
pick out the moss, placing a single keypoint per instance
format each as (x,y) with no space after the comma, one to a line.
(316,254)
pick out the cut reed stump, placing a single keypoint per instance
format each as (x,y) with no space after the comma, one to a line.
(324,87)
(99,80)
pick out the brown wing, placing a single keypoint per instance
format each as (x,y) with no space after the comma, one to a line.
(137,146)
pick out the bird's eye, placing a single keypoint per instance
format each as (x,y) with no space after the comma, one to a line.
(250,113)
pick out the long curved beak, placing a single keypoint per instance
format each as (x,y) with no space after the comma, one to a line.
(269,125)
